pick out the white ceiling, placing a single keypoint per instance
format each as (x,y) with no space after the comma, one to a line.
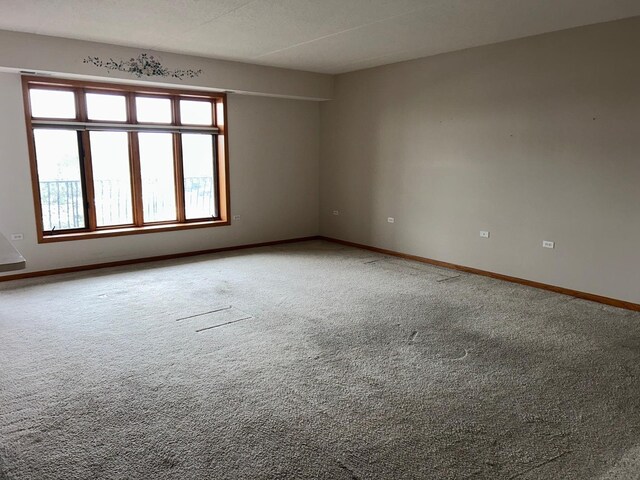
(328,36)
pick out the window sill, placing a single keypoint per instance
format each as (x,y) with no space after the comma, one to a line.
(117,232)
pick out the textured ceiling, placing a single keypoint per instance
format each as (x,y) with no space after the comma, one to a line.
(329,36)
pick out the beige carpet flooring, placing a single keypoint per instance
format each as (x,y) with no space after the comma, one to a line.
(312,361)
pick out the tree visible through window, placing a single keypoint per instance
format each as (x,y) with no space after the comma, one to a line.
(111,159)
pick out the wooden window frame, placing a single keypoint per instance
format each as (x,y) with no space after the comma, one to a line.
(218,130)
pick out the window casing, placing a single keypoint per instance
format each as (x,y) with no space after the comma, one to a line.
(111,159)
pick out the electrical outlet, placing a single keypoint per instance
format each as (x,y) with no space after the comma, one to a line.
(548,244)
(17,236)
(484,234)
(391,219)
(236,217)
(336,212)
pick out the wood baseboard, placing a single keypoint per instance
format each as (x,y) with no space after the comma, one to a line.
(120,263)
(529,283)
(565,291)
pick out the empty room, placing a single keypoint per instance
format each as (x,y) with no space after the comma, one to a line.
(319,239)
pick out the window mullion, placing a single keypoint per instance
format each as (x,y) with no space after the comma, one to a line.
(179,176)
(178,166)
(90,204)
(121,127)
(136,180)
(134,162)
(85,159)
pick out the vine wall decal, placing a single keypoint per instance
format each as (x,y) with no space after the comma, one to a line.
(145,65)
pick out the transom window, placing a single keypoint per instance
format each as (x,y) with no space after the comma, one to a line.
(110,159)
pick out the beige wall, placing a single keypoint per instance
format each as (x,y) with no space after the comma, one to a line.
(535,139)
(274,184)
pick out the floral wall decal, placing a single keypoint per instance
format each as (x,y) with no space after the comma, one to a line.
(145,65)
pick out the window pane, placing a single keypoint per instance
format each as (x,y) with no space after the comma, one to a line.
(153,110)
(111,178)
(196,113)
(52,103)
(59,176)
(156,169)
(106,107)
(197,157)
